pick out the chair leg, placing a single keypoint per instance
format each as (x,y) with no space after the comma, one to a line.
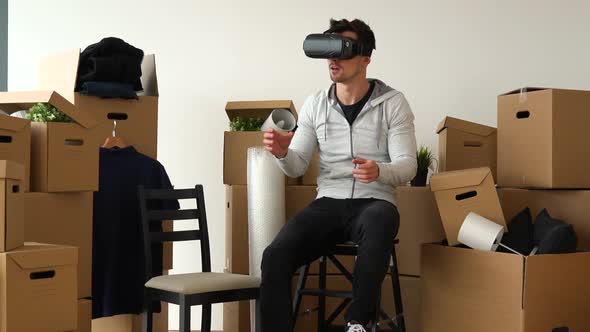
(322,298)
(298,297)
(377,317)
(148,320)
(397,294)
(185,315)
(257,319)
(206,318)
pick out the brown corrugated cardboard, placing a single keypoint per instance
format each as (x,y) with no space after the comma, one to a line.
(464,145)
(137,120)
(410,287)
(63,156)
(131,323)
(310,178)
(12,207)
(541,139)
(571,206)
(236,143)
(419,223)
(63,218)
(15,144)
(458,193)
(467,290)
(38,288)
(84,316)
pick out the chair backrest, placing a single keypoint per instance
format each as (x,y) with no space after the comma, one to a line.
(152,215)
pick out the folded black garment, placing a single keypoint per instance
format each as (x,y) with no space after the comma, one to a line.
(554,236)
(108,90)
(110,60)
(520,233)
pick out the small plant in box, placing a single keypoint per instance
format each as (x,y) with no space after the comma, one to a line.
(245,124)
(425,159)
(44,112)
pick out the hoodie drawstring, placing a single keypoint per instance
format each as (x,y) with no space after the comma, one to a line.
(326,123)
(379,125)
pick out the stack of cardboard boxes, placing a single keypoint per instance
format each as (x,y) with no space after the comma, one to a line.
(541,158)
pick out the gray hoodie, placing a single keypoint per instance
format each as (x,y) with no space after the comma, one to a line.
(383,132)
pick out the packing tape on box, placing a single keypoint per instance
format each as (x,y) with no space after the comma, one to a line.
(480,233)
(266,203)
(280,120)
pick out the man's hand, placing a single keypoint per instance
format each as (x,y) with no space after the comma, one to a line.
(276,143)
(366,171)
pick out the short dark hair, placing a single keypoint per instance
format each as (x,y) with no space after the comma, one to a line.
(366,37)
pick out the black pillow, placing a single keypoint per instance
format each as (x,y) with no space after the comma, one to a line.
(554,236)
(520,233)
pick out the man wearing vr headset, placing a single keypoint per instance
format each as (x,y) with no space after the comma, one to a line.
(364,131)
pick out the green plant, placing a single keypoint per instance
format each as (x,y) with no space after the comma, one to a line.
(245,124)
(44,112)
(425,158)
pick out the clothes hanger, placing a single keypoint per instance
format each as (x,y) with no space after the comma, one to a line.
(114,141)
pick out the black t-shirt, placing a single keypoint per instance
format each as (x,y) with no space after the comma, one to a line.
(118,269)
(352,111)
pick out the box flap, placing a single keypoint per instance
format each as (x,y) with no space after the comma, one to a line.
(466,126)
(11,102)
(11,170)
(36,255)
(257,109)
(11,123)
(149,79)
(58,72)
(459,179)
(524,89)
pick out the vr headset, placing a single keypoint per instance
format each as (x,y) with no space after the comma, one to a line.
(332,46)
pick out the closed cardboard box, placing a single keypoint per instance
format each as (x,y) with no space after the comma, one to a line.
(12,208)
(137,120)
(542,139)
(63,218)
(38,288)
(236,143)
(410,287)
(131,323)
(466,290)
(63,156)
(571,206)
(419,223)
(84,316)
(458,193)
(310,178)
(464,144)
(15,144)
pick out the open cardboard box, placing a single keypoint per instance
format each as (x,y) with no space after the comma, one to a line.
(236,143)
(12,208)
(15,144)
(466,290)
(38,288)
(63,156)
(464,144)
(137,120)
(542,139)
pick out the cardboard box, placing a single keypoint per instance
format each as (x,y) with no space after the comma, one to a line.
(131,323)
(63,156)
(464,145)
(458,193)
(236,143)
(12,208)
(466,290)
(236,226)
(419,223)
(542,139)
(310,178)
(15,144)
(84,316)
(570,206)
(63,218)
(137,120)
(38,288)
(410,287)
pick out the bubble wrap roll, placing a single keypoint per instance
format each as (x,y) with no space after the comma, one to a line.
(266,204)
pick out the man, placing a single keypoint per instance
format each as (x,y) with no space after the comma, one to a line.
(365,134)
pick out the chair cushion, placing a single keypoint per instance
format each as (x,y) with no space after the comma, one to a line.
(203,282)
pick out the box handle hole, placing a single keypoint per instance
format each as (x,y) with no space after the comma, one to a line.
(467,195)
(472,144)
(74,142)
(561,329)
(5,139)
(42,275)
(15,189)
(117,116)
(523,114)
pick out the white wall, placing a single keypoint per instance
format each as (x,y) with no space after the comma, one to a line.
(448,57)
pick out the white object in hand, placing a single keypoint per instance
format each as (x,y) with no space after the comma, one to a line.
(480,233)
(280,120)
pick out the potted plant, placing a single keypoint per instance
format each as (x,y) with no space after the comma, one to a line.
(245,124)
(425,158)
(44,112)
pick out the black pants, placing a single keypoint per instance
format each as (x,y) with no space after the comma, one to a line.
(370,223)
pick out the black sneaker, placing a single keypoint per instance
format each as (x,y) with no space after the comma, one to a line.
(354,326)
